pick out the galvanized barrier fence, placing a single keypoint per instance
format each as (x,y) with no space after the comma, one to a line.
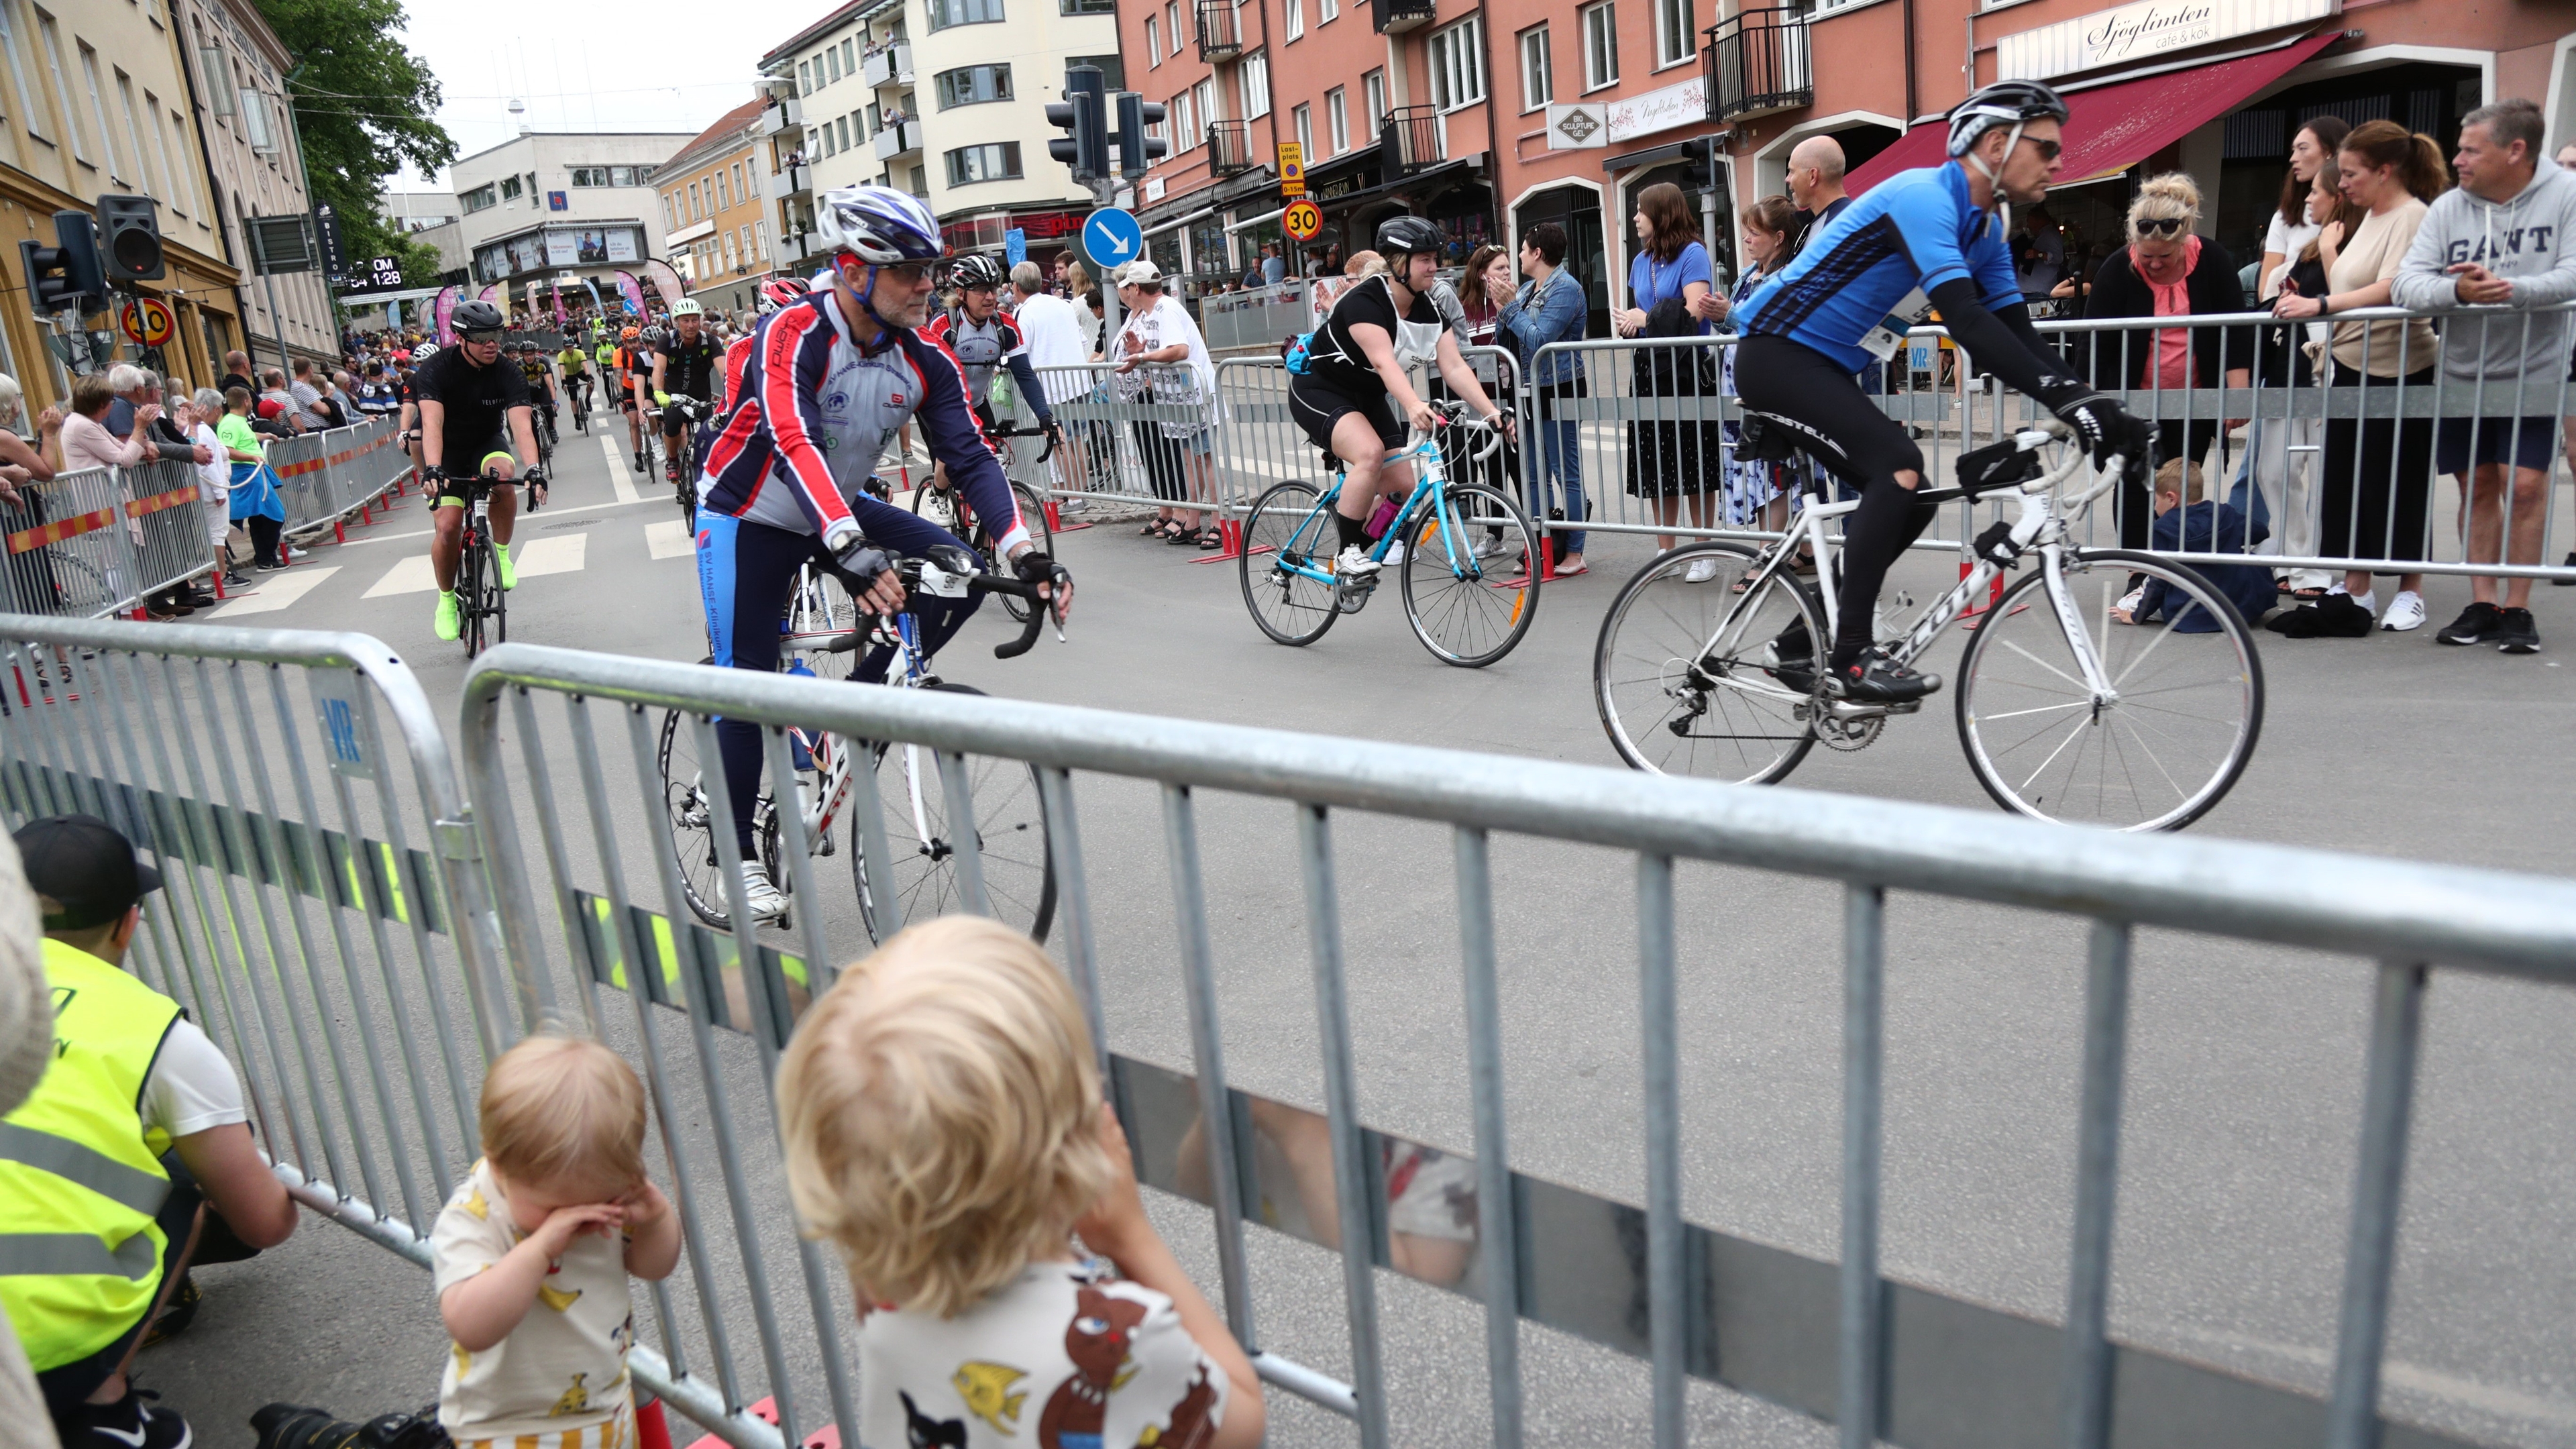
(98,541)
(329,478)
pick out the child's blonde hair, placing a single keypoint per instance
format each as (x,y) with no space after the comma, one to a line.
(2179,478)
(941,1108)
(564,1109)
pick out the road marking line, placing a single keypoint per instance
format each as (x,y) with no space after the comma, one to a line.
(669,538)
(411,576)
(547,514)
(618,480)
(277,590)
(562,555)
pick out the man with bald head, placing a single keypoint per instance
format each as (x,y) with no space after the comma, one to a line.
(1816,185)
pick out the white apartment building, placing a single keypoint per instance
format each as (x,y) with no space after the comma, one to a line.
(551,206)
(943,98)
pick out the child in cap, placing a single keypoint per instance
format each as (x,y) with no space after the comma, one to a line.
(945,1130)
(531,1254)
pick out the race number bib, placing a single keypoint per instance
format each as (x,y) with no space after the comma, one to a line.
(1882,340)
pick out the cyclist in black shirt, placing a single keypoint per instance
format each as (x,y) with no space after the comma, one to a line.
(474,406)
(687,365)
(1353,398)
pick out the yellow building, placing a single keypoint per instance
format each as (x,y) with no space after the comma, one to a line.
(714,219)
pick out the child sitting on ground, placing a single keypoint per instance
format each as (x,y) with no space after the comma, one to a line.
(2188,523)
(945,1130)
(531,1254)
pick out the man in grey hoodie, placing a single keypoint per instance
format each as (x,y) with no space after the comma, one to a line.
(2505,237)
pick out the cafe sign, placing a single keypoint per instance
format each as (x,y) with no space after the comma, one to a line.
(2129,34)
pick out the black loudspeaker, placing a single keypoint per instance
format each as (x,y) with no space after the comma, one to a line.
(129,234)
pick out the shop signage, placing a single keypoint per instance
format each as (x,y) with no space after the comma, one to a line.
(1292,169)
(1682,105)
(2130,33)
(1153,189)
(1576,126)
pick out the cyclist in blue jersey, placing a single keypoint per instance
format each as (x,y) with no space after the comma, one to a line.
(1921,240)
(830,378)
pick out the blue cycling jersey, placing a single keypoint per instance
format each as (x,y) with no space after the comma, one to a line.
(1872,269)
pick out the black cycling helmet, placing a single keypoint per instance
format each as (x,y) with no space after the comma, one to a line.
(2005,103)
(1406,235)
(977,271)
(477,316)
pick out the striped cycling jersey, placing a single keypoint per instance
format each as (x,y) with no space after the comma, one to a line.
(813,412)
(737,358)
(981,347)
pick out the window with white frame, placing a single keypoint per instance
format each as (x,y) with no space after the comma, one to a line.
(1538,72)
(53,40)
(98,110)
(157,188)
(1304,117)
(1337,119)
(804,78)
(1600,46)
(1185,122)
(1296,18)
(831,59)
(1255,79)
(1673,33)
(1153,49)
(181,178)
(1210,111)
(30,105)
(1327,11)
(1373,93)
(1457,63)
(1172,23)
(997,161)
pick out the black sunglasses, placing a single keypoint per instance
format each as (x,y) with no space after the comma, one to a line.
(2162,226)
(2048,150)
(482,339)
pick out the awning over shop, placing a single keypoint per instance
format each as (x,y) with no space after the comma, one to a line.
(2112,128)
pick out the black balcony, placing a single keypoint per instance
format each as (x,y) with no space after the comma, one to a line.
(1394,17)
(1229,146)
(1409,141)
(1220,30)
(1757,61)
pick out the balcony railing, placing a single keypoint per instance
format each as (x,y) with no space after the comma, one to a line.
(787,181)
(1394,17)
(891,66)
(899,140)
(1220,30)
(1229,147)
(1757,61)
(1411,140)
(784,113)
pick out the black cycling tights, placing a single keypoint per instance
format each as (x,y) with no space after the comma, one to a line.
(1777,375)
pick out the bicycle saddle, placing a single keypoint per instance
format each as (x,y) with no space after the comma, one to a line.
(1774,438)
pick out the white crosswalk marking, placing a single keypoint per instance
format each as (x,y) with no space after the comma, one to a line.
(278,590)
(561,555)
(618,477)
(411,576)
(669,538)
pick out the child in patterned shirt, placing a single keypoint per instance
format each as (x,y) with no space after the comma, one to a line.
(532,1253)
(945,1130)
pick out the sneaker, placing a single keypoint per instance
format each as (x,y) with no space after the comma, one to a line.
(1877,679)
(159,614)
(2336,616)
(2476,625)
(270,567)
(2517,633)
(764,901)
(639,462)
(2405,613)
(501,564)
(1395,555)
(1490,545)
(129,1423)
(1701,570)
(443,622)
(1790,657)
(1351,565)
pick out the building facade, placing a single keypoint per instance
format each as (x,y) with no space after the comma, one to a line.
(942,98)
(255,155)
(561,211)
(714,213)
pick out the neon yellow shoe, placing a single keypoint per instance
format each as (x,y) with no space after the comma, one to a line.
(501,557)
(443,623)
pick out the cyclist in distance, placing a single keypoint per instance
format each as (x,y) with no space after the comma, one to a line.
(986,339)
(474,409)
(1353,398)
(686,365)
(626,365)
(574,365)
(534,365)
(830,380)
(1924,239)
(775,293)
(407,392)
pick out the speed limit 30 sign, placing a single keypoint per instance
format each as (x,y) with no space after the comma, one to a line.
(1302,220)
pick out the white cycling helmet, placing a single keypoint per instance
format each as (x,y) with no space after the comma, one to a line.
(879,224)
(687,307)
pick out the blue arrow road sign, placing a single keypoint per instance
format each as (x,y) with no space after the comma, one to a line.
(1111,237)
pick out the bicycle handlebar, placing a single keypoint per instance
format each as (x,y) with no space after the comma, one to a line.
(1453,413)
(1048,433)
(913,572)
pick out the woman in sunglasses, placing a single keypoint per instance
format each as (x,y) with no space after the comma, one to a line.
(2168,270)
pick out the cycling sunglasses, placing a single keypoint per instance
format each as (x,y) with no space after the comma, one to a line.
(482,339)
(2048,150)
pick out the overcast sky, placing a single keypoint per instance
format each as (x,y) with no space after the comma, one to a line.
(630,65)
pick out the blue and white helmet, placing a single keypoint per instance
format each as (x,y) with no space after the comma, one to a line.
(2005,103)
(881,225)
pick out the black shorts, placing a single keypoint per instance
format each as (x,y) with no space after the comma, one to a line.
(452,491)
(1775,375)
(1318,408)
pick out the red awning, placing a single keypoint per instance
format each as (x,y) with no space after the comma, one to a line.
(2112,128)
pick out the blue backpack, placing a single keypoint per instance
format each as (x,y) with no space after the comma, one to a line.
(1296,353)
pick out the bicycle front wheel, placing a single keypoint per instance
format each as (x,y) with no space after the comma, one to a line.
(1469,590)
(688,812)
(2183,712)
(1010,841)
(469,595)
(1696,679)
(1286,527)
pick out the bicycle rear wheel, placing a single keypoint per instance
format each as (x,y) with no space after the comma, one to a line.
(2185,716)
(1285,526)
(1468,599)
(1695,679)
(1010,840)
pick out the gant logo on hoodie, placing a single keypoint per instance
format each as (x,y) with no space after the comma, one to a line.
(2501,244)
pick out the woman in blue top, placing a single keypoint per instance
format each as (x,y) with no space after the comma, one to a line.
(1672,292)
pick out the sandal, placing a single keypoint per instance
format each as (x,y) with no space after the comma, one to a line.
(1211,539)
(1804,565)
(1153,528)
(1183,537)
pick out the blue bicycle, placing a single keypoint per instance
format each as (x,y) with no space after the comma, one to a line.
(1464,552)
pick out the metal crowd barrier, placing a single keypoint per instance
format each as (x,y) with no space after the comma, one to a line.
(328,478)
(1142,448)
(2322,476)
(1262,317)
(98,541)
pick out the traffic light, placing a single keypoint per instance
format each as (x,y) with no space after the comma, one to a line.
(1136,150)
(1085,119)
(66,276)
(130,229)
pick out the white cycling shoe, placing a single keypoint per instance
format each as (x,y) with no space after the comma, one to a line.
(766,903)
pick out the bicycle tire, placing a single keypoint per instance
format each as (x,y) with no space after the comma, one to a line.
(496,599)
(1011,830)
(686,813)
(1292,609)
(2126,768)
(1448,592)
(469,590)
(1761,733)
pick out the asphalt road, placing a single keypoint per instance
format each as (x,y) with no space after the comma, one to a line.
(2245,1063)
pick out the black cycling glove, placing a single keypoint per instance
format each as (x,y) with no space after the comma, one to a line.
(2099,421)
(859,562)
(1039,567)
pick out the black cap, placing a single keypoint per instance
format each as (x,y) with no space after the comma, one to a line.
(81,862)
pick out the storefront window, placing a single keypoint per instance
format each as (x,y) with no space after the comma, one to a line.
(1465,217)
(1166,251)
(1250,240)
(1209,254)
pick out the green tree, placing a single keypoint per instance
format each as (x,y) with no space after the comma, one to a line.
(364,108)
